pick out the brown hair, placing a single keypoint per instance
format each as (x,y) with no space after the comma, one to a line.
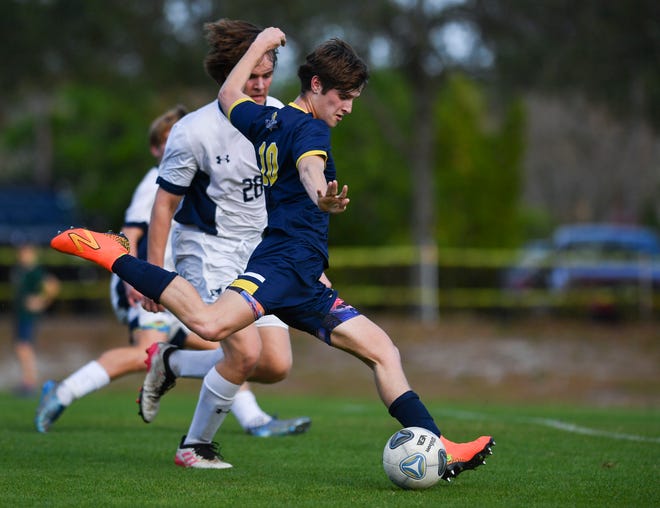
(161,126)
(337,65)
(228,40)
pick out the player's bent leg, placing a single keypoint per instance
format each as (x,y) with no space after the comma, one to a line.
(273,366)
(276,357)
(213,322)
(231,312)
(119,362)
(364,339)
(242,350)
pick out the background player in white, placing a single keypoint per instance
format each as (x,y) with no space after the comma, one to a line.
(145,328)
(211,185)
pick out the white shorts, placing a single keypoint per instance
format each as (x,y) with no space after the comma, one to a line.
(164,322)
(210,263)
(137,318)
(118,299)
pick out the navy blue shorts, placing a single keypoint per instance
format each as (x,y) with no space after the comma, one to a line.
(25,329)
(282,278)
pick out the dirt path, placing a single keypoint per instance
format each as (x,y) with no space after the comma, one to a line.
(533,360)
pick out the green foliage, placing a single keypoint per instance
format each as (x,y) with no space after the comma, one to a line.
(102,147)
(608,50)
(48,44)
(100,453)
(478,168)
(375,171)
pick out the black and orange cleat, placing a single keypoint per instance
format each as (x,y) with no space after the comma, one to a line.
(464,456)
(101,248)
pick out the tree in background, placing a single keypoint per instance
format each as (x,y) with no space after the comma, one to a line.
(82,75)
(590,74)
(479,164)
(607,49)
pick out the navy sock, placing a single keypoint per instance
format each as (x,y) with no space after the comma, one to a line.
(148,279)
(411,412)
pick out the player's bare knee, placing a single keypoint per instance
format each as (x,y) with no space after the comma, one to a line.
(385,353)
(277,372)
(274,365)
(243,357)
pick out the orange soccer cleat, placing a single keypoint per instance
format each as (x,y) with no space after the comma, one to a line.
(464,456)
(101,248)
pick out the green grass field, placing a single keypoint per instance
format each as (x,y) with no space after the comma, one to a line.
(100,453)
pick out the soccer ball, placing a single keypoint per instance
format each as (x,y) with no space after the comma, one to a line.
(414,458)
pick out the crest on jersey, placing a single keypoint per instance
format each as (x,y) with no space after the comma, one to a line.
(271,123)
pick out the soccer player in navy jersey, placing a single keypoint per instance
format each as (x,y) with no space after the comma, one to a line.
(282,275)
(210,202)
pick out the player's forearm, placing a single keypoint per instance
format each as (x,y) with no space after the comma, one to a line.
(159,227)
(232,89)
(312,178)
(159,231)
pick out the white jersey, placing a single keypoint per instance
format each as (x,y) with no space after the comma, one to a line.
(138,214)
(223,212)
(209,162)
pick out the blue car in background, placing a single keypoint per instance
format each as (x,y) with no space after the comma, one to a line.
(579,259)
(604,255)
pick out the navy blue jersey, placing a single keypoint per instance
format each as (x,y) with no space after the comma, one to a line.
(281,137)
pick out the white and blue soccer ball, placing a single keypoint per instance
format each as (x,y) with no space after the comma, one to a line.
(414,458)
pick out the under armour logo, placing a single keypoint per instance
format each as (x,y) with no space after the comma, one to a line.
(220,158)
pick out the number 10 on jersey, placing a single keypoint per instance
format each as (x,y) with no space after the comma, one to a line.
(268,163)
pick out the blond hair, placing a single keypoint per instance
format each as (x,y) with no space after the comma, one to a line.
(161,126)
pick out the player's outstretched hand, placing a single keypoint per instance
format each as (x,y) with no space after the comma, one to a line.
(332,202)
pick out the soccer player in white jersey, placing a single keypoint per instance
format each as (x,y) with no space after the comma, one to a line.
(145,328)
(210,183)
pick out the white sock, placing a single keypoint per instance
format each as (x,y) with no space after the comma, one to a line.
(215,400)
(86,379)
(247,411)
(188,363)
